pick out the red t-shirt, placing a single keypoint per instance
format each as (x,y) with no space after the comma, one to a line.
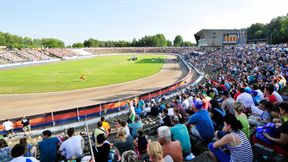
(236,95)
(272,98)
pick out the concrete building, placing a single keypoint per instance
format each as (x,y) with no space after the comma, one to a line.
(220,37)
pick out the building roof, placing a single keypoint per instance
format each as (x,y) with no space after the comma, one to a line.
(202,30)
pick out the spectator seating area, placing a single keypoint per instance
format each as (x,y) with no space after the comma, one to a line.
(178,50)
(8,56)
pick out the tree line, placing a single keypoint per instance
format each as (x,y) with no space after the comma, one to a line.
(157,40)
(275,32)
(14,41)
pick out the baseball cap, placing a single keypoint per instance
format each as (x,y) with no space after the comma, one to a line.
(198,103)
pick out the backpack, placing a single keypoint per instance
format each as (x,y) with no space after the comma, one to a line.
(268,128)
(93,134)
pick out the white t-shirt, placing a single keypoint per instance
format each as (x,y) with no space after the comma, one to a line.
(246,99)
(8,125)
(23,159)
(278,96)
(260,94)
(132,110)
(256,110)
(170,111)
(185,104)
(72,146)
(190,100)
(127,130)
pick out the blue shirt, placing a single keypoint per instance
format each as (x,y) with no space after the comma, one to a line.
(28,151)
(5,154)
(48,149)
(134,127)
(162,107)
(203,123)
(138,111)
(180,132)
(140,104)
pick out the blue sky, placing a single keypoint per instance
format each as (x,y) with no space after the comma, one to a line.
(77,20)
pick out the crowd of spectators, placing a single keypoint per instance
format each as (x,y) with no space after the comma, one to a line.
(237,104)
(178,50)
(9,57)
(61,52)
(30,55)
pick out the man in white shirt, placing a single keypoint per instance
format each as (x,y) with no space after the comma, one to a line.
(73,146)
(185,103)
(278,96)
(245,98)
(8,127)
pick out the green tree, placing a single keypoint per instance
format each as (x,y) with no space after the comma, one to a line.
(178,41)
(257,31)
(91,43)
(52,43)
(186,44)
(284,29)
(169,43)
(37,43)
(78,45)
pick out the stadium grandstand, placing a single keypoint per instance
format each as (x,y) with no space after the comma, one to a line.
(237,98)
(220,37)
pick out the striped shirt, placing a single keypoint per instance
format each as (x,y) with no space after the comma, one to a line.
(241,152)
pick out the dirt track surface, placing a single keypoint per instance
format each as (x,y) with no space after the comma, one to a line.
(13,106)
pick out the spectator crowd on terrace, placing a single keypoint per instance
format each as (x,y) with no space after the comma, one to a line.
(8,56)
(242,101)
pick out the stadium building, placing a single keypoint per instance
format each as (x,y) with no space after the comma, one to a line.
(220,37)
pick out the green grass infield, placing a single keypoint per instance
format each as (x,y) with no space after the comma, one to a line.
(65,75)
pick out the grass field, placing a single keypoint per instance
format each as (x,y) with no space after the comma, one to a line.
(65,75)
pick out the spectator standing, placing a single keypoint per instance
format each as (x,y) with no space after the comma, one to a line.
(132,113)
(99,130)
(26,125)
(8,127)
(105,125)
(101,152)
(48,147)
(135,126)
(140,107)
